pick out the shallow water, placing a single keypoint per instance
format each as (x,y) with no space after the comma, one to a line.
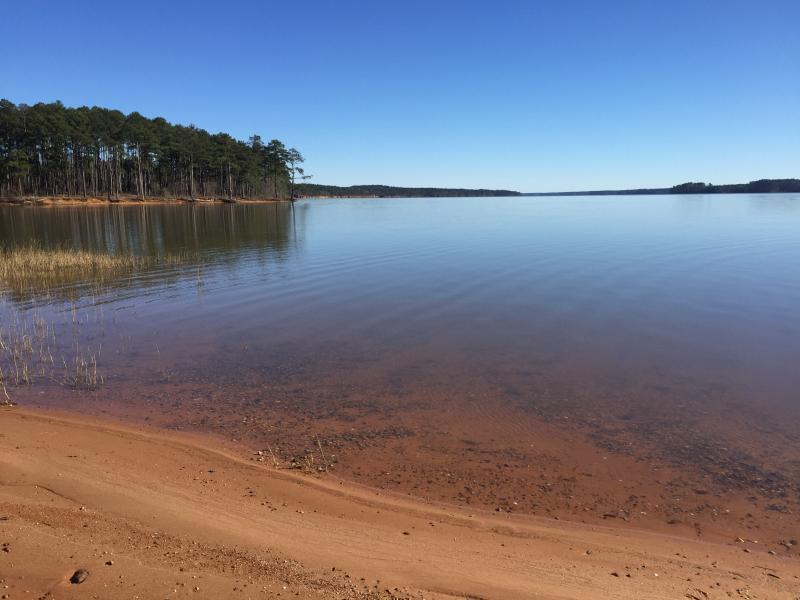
(701,288)
(669,323)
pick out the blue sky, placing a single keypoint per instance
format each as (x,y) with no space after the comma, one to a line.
(532,96)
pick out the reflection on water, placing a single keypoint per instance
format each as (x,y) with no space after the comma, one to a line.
(150,229)
(778,204)
(663,323)
(178,239)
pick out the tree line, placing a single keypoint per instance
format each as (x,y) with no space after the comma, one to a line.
(387,191)
(759,186)
(52,150)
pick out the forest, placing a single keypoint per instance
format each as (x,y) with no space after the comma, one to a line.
(52,150)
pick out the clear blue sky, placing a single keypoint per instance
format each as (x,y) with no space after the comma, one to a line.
(533,96)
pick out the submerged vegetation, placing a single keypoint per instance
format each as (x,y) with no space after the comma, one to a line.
(52,150)
(31,351)
(34,349)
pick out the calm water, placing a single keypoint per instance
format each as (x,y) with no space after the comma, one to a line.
(614,306)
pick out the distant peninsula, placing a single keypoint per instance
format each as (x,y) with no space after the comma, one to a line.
(760,186)
(314,190)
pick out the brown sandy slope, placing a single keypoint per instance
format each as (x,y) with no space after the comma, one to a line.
(176,518)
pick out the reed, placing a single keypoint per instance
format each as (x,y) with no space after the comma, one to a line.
(22,265)
(35,260)
(35,350)
(35,267)
(28,351)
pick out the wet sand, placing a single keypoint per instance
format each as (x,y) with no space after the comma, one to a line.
(155,514)
(684,472)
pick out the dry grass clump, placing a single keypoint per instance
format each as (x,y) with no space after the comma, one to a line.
(35,268)
(37,261)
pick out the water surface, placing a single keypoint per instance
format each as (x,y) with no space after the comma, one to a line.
(664,323)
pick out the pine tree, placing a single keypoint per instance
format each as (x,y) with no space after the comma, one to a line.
(48,149)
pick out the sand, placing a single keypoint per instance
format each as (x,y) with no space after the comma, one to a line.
(154,514)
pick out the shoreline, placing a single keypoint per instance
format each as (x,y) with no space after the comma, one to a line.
(182,511)
(127,200)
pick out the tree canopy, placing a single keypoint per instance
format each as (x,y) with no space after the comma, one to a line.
(52,150)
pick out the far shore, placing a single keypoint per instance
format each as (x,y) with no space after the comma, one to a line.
(149,513)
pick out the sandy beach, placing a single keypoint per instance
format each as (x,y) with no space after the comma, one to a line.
(154,514)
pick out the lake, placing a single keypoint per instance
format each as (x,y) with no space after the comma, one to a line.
(459,349)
